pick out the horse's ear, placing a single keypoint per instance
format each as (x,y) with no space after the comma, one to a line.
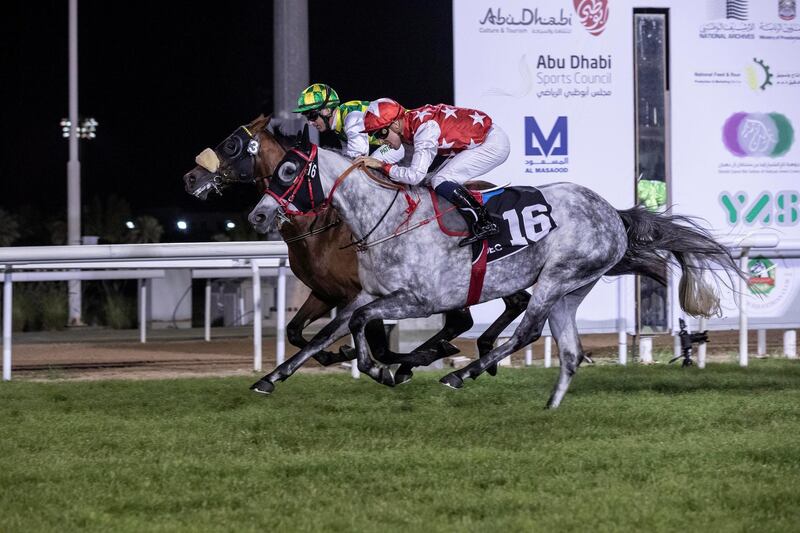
(304,141)
(267,118)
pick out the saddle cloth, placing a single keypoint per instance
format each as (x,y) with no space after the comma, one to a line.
(522,215)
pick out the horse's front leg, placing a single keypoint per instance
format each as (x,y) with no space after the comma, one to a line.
(312,309)
(333,331)
(397,305)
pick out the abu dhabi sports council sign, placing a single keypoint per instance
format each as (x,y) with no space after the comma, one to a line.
(555,75)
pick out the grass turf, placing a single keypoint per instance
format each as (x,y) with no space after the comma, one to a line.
(631,448)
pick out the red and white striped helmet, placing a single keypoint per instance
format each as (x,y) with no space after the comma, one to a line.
(381,113)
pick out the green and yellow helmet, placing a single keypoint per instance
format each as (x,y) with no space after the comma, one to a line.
(316,96)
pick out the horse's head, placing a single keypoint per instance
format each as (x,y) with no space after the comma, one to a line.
(247,155)
(294,187)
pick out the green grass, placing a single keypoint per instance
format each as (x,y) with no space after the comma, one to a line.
(631,449)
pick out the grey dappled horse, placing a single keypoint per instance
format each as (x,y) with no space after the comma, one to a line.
(424,271)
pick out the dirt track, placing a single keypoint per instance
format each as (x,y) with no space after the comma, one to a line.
(226,356)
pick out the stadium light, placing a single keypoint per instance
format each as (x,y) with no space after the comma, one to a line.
(182,225)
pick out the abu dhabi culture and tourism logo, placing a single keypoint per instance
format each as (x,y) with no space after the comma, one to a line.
(758,134)
(593,14)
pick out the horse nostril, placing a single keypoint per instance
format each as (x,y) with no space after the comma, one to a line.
(191,179)
(259,218)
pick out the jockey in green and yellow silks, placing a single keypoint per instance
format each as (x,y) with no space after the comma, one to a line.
(321,107)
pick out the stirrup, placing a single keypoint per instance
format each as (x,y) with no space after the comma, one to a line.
(480,234)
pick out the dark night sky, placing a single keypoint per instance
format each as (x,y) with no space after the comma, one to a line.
(166,79)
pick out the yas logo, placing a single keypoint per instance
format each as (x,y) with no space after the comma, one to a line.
(537,143)
(782,208)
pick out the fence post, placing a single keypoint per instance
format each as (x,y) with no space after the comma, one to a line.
(701,348)
(143,311)
(548,352)
(280,336)
(761,336)
(7,314)
(257,314)
(645,350)
(529,355)
(207,311)
(743,309)
(790,344)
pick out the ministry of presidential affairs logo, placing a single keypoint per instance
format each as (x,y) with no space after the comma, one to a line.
(546,150)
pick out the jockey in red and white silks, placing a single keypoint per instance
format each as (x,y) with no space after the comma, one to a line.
(475,143)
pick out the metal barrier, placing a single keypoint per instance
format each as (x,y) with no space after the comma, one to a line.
(18,262)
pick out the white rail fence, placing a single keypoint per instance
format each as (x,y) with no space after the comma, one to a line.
(256,259)
(144,262)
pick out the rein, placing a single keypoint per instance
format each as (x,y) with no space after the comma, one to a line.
(313,232)
(288,196)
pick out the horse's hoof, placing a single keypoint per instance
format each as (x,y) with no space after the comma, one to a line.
(492,370)
(262,387)
(347,352)
(325,358)
(386,377)
(399,379)
(446,348)
(452,381)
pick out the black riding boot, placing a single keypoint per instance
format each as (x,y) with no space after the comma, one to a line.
(474,214)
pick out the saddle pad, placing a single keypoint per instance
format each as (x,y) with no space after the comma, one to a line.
(522,214)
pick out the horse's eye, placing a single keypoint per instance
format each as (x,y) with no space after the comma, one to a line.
(287,171)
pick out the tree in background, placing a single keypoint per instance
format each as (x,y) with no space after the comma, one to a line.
(106,218)
(9,228)
(147,229)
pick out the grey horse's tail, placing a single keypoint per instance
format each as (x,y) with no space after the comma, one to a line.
(653,236)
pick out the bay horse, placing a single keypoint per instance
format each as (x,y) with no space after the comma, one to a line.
(418,273)
(319,255)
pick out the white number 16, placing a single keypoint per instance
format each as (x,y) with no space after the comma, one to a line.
(530,223)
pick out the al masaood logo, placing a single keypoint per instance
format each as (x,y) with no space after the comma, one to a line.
(758,134)
(761,275)
(758,75)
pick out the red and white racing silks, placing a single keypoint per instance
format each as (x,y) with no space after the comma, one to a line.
(455,128)
(477,145)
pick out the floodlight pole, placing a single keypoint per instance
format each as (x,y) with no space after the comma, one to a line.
(73,164)
(290,49)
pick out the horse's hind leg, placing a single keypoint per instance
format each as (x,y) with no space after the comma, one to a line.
(333,331)
(515,305)
(545,294)
(565,331)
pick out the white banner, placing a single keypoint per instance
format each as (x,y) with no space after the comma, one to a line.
(559,83)
(557,75)
(736,104)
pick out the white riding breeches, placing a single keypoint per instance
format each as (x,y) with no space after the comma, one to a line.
(476,162)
